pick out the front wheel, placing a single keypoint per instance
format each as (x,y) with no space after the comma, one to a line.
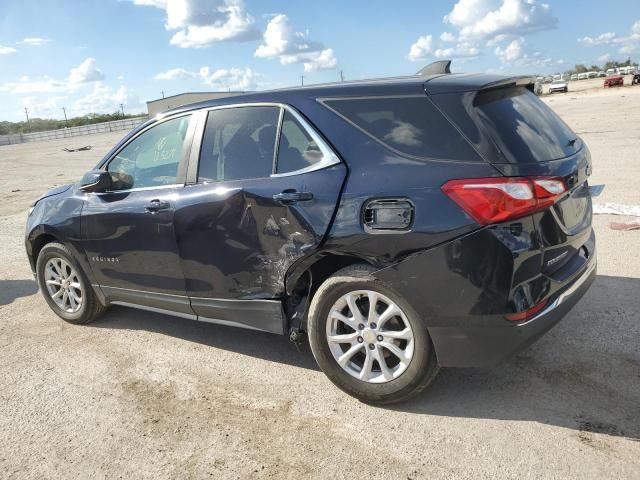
(368,340)
(65,287)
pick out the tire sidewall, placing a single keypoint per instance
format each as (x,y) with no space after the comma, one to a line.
(58,251)
(422,364)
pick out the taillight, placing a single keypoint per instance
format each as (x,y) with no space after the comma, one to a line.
(498,199)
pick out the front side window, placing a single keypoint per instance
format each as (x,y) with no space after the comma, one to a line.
(238,143)
(152,158)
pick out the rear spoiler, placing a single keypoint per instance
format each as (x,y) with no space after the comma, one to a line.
(520,81)
(474,82)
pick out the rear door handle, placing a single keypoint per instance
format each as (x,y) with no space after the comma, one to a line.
(157,205)
(290,197)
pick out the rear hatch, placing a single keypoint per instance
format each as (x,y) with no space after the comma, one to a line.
(522,137)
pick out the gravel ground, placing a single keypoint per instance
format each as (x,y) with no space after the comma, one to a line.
(142,395)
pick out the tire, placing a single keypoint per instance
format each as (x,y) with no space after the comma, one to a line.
(410,380)
(54,262)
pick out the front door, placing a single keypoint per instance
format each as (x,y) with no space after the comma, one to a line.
(129,232)
(259,203)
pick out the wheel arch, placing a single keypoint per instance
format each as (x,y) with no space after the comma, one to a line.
(304,279)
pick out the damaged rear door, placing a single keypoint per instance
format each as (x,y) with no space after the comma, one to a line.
(261,195)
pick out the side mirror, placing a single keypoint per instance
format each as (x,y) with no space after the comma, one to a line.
(95,181)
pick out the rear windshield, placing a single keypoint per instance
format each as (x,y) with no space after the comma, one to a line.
(408,125)
(523,127)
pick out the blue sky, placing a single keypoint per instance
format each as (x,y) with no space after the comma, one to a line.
(93,55)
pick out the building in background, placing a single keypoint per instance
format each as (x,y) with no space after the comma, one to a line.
(160,105)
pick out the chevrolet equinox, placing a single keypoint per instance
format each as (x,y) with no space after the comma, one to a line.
(401,224)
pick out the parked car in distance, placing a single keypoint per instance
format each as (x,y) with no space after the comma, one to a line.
(601,73)
(583,76)
(611,71)
(574,76)
(404,225)
(592,74)
(559,86)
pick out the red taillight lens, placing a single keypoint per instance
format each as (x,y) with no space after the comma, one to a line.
(495,200)
(527,314)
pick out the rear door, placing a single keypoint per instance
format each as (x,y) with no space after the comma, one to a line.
(262,196)
(521,136)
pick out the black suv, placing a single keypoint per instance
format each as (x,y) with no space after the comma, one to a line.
(404,224)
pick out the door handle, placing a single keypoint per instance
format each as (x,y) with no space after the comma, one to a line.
(289,197)
(157,205)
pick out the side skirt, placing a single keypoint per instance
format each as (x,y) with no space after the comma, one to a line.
(261,315)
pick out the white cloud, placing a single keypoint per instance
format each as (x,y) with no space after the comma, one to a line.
(628,43)
(175,74)
(200,23)
(34,41)
(45,108)
(604,58)
(86,72)
(221,79)
(421,49)
(603,39)
(447,37)
(6,50)
(104,98)
(26,85)
(229,79)
(486,19)
(425,48)
(281,41)
(512,52)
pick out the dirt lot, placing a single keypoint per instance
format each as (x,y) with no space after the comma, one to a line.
(141,395)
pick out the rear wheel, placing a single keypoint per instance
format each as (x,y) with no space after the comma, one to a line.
(65,287)
(368,340)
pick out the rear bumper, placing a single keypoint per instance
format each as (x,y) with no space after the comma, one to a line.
(484,345)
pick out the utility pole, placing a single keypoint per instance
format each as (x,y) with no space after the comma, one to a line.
(122,108)
(302,80)
(341,76)
(162,92)
(66,122)
(26,112)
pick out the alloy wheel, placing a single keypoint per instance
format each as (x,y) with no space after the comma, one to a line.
(63,285)
(369,336)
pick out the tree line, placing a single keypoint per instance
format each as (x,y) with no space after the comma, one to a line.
(44,124)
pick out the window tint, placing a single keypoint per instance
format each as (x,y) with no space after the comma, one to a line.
(297,149)
(238,143)
(524,128)
(152,158)
(410,125)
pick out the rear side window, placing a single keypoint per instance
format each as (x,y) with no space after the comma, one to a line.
(523,127)
(409,125)
(238,143)
(297,150)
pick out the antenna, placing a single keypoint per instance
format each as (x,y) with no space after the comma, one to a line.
(436,68)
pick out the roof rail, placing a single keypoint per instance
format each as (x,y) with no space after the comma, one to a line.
(436,68)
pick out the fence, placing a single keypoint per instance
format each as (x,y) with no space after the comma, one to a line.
(117,125)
